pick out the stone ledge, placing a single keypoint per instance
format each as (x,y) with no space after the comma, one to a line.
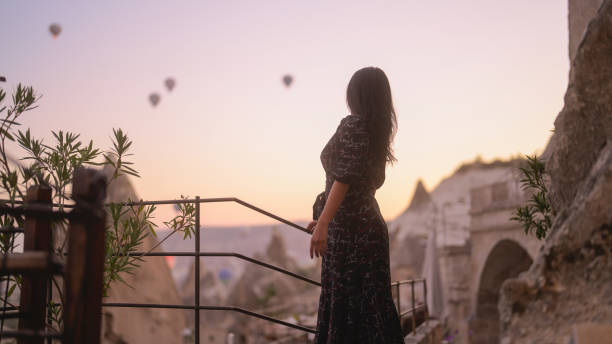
(426,334)
(591,333)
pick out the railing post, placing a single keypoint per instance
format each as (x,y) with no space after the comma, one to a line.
(413,308)
(197,270)
(85,267)
(37,237)
(426,306)
(397,296)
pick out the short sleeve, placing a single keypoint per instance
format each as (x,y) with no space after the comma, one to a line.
(351,151)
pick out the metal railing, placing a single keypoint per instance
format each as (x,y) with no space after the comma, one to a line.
(196,307)
(197,253)
(415,307)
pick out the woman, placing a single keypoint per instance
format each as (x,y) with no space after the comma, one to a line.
(348,231)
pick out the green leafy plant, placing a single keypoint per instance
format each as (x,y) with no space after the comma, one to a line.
(537,215)
(184,221)
(53,164)
(130,226)
(116,157)
(121,245)
(23,100)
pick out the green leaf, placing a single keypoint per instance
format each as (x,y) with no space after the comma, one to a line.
(11,290)
(5,133)
(536,215)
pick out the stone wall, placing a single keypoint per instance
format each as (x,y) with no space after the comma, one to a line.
(426,333)
(455,271)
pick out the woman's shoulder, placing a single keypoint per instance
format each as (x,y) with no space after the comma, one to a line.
(352,122)
(353,127)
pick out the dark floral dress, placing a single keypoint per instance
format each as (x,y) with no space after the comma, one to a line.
(355,305)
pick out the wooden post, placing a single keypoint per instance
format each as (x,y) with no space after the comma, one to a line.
(85,266)
(37,237)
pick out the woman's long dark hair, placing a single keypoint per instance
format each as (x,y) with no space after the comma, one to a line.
(369,95)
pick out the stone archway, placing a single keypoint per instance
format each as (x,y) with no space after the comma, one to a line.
(506,260)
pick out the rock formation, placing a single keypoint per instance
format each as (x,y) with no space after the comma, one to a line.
(580,13)
(272,293)
(570,282)
(151,283)
(212,293)
(260,287)
(420,197)
(584,125)
(277,252)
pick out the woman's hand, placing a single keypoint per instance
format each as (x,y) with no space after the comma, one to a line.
(318,242)
(311,226)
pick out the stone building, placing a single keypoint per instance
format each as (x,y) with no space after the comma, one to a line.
(500,249)
(497,249)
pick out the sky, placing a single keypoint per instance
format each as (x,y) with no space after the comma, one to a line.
(469,78)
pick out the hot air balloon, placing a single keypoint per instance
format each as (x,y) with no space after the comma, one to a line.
(55,29)
(225,275)
(287,80)
(154,98)
(170,83)
(171,261)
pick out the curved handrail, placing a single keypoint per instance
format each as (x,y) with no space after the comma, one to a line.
(227,254)
(198,200)
(218,200)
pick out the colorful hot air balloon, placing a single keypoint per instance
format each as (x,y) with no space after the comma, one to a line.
(287,80)
(55,29)
(170,83)
(154,98)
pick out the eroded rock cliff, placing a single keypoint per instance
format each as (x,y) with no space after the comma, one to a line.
(570,281)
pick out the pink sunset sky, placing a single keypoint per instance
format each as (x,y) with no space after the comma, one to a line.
(468,78)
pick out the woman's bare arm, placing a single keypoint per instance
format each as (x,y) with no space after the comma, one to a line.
(336,196)
(318,242)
